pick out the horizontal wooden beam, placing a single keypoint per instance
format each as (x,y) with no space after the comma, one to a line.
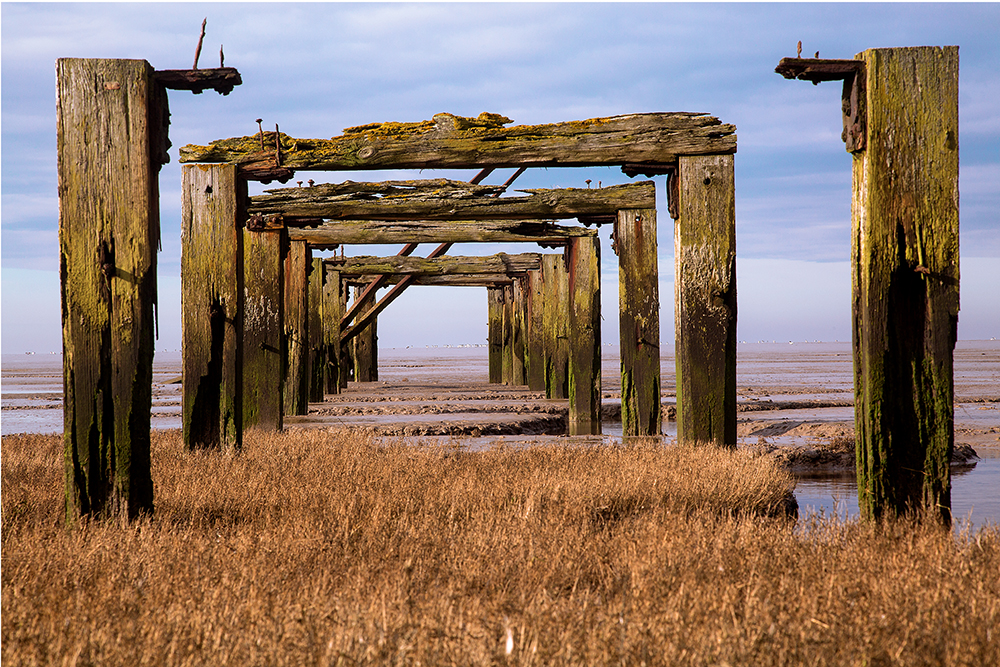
(454,142)
(461,280)
(817,70)
(220,79)
(357,232)
(442,199)
(440,266)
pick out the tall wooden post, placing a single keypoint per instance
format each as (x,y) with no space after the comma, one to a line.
(317,360)
(705,300)
(507,337)
(366,350)
(639,321)
(534,348)
(333,312)
(519,375)
(111,132)
(263,314)
(212,305)
(346,349)
(297,375)
(494,332)
(554,324)
(905,274)
(584,378)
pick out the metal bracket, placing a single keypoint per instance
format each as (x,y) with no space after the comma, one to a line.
(852,73)
(259,222)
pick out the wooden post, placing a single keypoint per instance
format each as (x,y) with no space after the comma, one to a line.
(345,349)
(519,375)
(494,332)
(905,274)
(263,314)
(584,377)
(212,305)
(366,350)
(705,300)
(534,349)
(333,311)
(297,263)
(639,321)
(507,338)
(111,128)
(317,360)
(554,325)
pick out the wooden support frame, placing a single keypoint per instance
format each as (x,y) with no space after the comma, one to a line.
(263,317)
(444,265)
(705,301)
(361,232)
(555,332)
(212,306)
(583,259)
(111,119)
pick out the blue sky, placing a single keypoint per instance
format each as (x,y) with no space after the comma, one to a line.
(317,68)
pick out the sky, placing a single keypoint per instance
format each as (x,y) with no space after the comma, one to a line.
(316,68)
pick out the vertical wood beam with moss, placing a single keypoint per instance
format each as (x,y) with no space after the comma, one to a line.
(317,365)
(110,125)
(555,334)
(263,314)
(494,332)
(705,300)
(346,349)
(905,273)
(534,344)
(519,376)
(584,373)
(212,305)
(297,375)
(366,348)
(507,337)
(333,312)
(639,321)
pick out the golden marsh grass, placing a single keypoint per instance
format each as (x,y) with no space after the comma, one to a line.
(315,548)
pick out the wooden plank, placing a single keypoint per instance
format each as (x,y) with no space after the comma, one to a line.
(297,374)
(366,349)
(109,135)
(705,301)
(639,321)
(263,314)
(535,349)
(317,357)
(220,79)
(554,326)
(462,280)
(333,311)
(494,332)
(519,376)
(507,336)
(905,268)
(500,263)
(584,364)
(454,142)
(442,199)
(359,232)
(212,306)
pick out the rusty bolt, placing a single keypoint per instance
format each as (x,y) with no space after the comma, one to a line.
(300,183)
(311,181)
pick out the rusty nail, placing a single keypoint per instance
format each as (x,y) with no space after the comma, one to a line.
(311,181)
(261,128)
(277,146)
(598,184)
(798,50)
(588,183)
(300,183)
(817,55)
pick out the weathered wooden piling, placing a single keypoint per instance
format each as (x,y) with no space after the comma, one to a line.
(333,311)
(555,326)
(297,375)
(111,124)
(519,376)
(317,358)
(705,300)
(507,336)
(534,347)
(366,350)
(212,295)
(905,273)
(263,315)
(901,125)
(494,332)
(639,321)
(584,367)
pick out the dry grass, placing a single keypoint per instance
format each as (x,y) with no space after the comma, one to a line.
(314,548)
